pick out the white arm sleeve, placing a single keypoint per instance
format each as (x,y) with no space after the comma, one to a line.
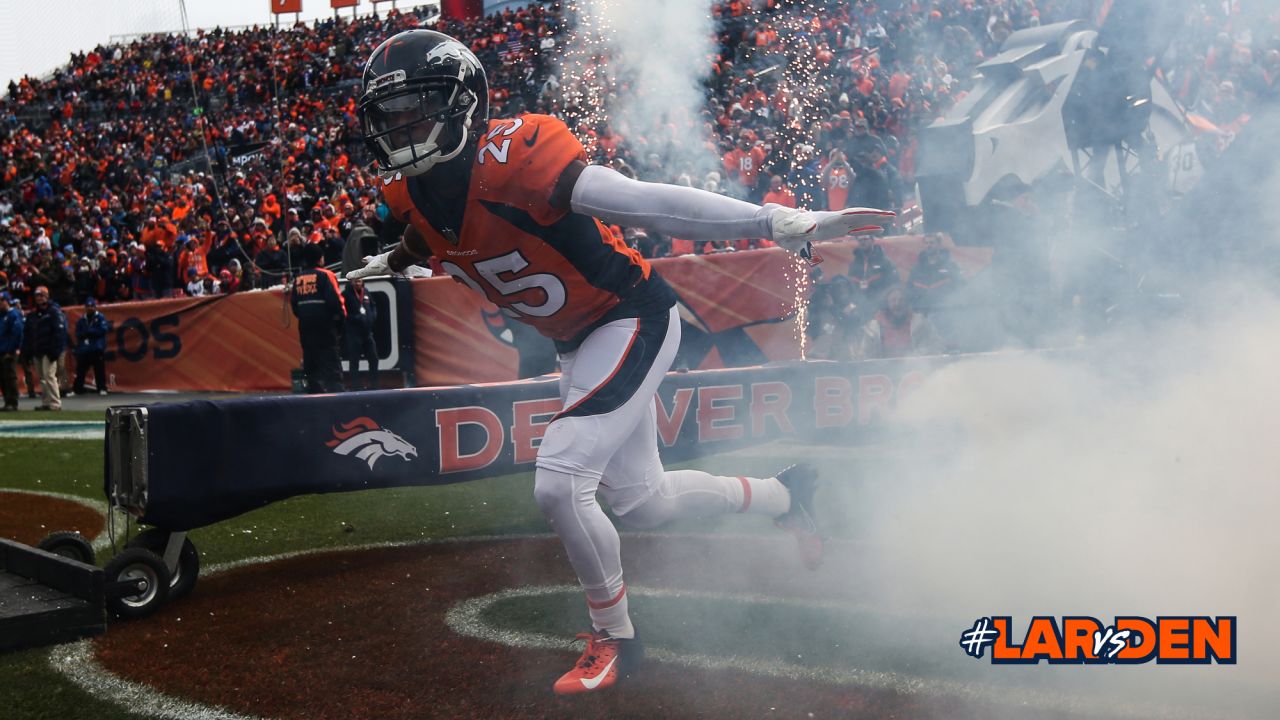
(675,210)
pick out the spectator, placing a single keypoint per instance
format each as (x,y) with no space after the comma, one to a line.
(27,355)
(11,327)
(48,328)
(91,348)
(779,193)
(195,283)
(870,161)
(209,285)
(226,282)
(934,278)
(120,161)
(896,331)
(232,277)
(837,178)
(871,272)
(362,314)
(270,264)
(834,320)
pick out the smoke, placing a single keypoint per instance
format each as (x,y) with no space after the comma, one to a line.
(656,56)
(1133,475)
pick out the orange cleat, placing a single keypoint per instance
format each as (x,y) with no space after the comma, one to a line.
(604,661)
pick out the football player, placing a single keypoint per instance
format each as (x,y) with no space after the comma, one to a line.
(511,208)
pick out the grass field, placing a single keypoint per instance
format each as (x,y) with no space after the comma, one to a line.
(497,506)
(853,633)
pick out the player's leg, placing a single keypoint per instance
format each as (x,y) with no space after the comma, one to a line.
(608,385)
(643,495)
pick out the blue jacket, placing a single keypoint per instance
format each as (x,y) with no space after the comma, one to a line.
(91,333)
(11,324)
(48,329)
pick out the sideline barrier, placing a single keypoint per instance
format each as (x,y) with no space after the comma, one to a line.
(737,309)
(164,466)
(240,342)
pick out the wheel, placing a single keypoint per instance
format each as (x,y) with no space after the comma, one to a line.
(183,579)
(68,544)
(147,579)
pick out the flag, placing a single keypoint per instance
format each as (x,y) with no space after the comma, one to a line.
(513,48)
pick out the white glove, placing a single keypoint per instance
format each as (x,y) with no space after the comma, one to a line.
(374,266)
(795,230)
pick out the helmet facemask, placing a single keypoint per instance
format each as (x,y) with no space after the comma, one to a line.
(412,129)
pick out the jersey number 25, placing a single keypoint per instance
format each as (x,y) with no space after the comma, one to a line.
(511,264)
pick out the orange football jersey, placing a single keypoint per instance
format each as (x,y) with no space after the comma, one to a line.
(559,271)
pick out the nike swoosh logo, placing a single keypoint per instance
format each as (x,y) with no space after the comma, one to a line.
(591,683)
(529,141)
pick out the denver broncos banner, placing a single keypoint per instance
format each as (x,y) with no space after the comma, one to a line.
(738,309)
(243,341)
(287,446)
(222,342)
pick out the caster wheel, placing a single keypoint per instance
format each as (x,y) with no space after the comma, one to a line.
(182,580)
(68,544)
(137,583)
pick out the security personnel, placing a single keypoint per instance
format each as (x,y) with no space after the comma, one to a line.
(91,347)
(317,303)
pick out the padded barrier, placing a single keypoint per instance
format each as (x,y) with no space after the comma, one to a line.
(205,461)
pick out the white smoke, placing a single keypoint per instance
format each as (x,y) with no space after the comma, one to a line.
(656,55)
(1137,476)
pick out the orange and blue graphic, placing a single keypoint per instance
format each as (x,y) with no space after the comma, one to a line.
(1081,640)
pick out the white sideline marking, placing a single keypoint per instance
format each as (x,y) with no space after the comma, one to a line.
(76,662)
(53,429)
(99,542)
(465,619)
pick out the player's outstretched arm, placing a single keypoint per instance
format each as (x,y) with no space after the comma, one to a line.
(693,214)
(411,250)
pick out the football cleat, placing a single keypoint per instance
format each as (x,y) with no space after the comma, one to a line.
(800,481)
(604,661)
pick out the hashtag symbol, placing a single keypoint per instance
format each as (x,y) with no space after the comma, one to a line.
(979,637)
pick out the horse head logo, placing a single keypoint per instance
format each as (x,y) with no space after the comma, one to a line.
(363,438)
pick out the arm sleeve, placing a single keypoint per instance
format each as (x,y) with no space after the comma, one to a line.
(674,210)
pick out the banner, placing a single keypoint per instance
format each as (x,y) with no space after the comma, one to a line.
(242,341)
(280,7)
(279,447)
(335,4)
(737,309)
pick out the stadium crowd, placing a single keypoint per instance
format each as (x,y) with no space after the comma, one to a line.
(167,166)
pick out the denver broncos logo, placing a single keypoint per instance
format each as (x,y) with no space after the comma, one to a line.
(363,438)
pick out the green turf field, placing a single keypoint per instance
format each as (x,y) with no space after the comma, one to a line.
(488,507)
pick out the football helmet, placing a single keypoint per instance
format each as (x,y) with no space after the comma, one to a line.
(425,94)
